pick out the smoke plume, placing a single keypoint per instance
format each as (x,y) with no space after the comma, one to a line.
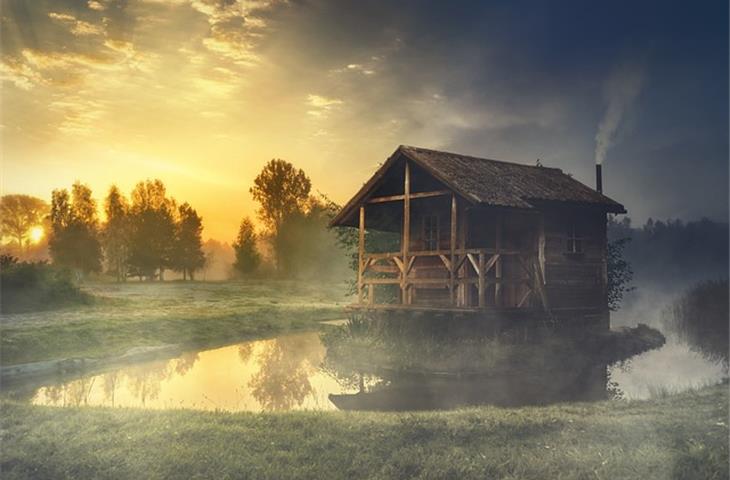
(622,88)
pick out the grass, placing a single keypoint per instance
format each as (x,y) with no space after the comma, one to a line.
(683,436)
(193,314)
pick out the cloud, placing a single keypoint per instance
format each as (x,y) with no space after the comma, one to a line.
(76,26)
(321,106)
(19,74)
(234,27)
(79,116)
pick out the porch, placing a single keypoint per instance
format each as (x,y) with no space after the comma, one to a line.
(486,263)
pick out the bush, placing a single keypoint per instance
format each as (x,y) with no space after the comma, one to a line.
(33,286)
(700,319)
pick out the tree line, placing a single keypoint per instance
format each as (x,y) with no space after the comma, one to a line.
(673,253)
(148,233)
(142,236)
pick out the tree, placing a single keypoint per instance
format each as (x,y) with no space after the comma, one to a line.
(282,191)
(188,255)
(152,241)
(699,317)
(20,213)
(619,272)
(116,233)
(74,241)
(247,256)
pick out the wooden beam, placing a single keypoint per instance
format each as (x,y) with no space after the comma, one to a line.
(406,237)
(540,287)
(473,262)
(447,262)
(541,243)
(492,260)
(416,195)
(361,254)
(381,281)
(498,267)
(399,263)
(482,293)
(524,299)
(461,270)
(446,251)
(452,245)
(459,262)
(411,261)
(384,269)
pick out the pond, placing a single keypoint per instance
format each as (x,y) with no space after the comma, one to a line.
(293,372)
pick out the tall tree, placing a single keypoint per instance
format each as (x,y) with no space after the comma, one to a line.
(74,238)
(188,254)
(20,213)
(116,233)
(282,190)
(152,240)
(247,256)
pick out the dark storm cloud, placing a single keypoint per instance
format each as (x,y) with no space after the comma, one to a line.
(524,80)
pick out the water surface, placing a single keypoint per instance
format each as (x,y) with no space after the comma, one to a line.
(287,373)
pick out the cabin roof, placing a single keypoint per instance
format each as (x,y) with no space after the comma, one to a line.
(488,182)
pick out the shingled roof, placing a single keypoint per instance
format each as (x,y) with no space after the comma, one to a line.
(490,182)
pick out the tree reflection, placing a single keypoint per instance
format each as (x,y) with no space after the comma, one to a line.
(286,367)
(186,362)
(110,382)
(245,350)
(144,382)
(73,394)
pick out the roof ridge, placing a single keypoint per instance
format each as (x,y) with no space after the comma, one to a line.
(479,158)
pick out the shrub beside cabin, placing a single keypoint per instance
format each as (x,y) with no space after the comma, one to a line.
(478,235)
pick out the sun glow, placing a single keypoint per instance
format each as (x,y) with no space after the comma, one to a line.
(36,234)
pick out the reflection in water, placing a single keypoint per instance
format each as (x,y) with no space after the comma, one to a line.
(357,371)
(283,380)
(432,392)
(276,374)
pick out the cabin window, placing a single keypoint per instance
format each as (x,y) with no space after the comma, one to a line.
(430,232)
(575,241)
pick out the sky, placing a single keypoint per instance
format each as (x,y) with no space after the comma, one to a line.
(202,93)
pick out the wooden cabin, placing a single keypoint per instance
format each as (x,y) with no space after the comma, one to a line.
(447,232)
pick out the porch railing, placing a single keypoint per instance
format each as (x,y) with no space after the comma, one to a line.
(462,269)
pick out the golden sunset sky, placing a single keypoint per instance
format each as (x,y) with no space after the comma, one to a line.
(202,93)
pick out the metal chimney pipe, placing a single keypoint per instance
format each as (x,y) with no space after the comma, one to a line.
(599,178)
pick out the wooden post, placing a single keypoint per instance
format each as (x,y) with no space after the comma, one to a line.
(463,299)
(482,293)
(452,245)
(361,255)
(406,231)
(541,244)
(498,265)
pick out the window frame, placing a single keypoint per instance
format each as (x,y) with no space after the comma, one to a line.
(574,243)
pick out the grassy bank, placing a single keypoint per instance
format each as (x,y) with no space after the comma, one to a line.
(683,436)
(194,314)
